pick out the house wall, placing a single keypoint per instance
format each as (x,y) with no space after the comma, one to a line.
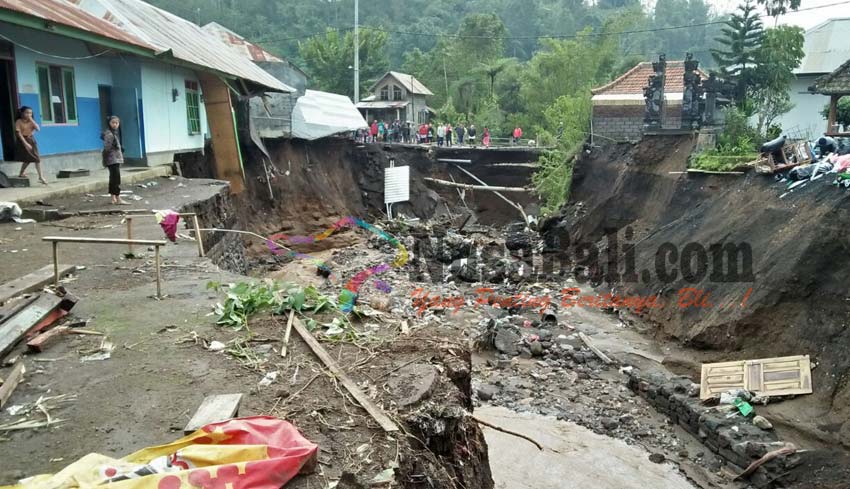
(287,73)
(625,122)
(154,125)
(417,103)
(166,126)
(618,122)
(805,116)
(54,139)
(389,82)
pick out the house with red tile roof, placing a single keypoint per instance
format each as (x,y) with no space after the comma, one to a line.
(618,107)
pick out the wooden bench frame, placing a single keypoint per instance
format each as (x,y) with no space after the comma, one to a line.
(55,240)
(129,219)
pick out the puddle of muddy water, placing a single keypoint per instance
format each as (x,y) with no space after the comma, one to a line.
(573,456)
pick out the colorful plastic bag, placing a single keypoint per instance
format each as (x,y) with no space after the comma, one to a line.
(259,452)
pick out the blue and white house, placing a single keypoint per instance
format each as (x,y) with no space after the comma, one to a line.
(75,62)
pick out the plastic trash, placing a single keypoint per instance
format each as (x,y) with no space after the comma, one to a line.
(259,452)
(773,145)
(743,406)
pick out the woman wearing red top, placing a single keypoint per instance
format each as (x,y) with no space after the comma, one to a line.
(373,131)
(423,133)
(486,138)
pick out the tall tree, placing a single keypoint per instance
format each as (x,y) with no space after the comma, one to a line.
(776,8)
(328,59)
(739,41)
(780,53)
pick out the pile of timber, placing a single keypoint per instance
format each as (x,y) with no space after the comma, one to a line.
(25,313)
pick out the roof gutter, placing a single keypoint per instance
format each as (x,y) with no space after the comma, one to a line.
(38,23)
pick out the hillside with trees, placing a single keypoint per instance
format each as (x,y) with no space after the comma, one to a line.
(528,63)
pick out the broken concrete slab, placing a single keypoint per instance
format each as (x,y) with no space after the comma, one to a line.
(413,383)
(214,409)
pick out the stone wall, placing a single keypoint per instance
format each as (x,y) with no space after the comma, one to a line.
(734,438)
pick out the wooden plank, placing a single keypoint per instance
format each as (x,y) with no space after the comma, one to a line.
(15,305)
(476,187)
(32,281)
(780,376)
(721,377)
(74,239)
(214,409)
(587,341)
(287,333)
(379,415)
(17,326)
(40,342)
(12,381)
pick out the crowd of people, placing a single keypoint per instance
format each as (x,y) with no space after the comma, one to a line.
(441,134)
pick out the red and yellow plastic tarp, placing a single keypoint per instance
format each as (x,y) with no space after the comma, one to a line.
(257,452)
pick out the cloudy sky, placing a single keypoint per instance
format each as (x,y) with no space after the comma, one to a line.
(805,18)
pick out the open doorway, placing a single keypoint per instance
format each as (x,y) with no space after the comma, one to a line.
(8,100)
(104,95)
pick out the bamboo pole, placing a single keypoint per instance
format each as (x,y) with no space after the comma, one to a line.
(158,273)
(129,234)
(512,203)
(198,235)
(476,187)
(56,263)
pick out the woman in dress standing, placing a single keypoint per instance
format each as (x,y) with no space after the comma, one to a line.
(113,158)
(26,149)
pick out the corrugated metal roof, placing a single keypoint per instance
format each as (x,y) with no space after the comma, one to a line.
(381,104)
(61,12)
(179,37)
(827,46)
(633,81)
(247,48)
(409,82)
(321,114)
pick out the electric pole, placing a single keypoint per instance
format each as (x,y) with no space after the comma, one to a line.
(356,51)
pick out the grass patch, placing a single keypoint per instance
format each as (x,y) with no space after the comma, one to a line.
(716,161)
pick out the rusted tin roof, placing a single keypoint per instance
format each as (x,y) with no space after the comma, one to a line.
(247,48)
(180,38)
(66,14)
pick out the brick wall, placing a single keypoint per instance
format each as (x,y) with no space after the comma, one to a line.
(621,123)
(625,122)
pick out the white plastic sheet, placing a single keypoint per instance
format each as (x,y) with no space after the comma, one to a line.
(322,114)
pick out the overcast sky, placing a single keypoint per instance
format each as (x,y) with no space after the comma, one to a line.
(804,19)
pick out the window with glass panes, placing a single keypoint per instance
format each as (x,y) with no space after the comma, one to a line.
(57,94)
(193,107)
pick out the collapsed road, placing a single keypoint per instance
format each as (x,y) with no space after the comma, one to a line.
(477,348)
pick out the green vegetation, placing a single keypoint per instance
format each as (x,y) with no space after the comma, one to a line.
(328,57)
(245,299)
(842,112)
(529,63)
(736,145)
